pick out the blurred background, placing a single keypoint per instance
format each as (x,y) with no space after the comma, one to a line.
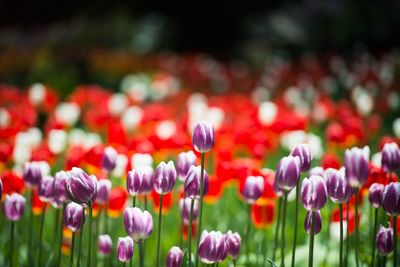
(65,43)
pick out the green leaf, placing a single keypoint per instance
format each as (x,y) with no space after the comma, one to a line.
(273,264)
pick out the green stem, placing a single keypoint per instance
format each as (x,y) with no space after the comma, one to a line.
(133,205)
(248,229)
(373,236)
(341,235)
(296,215)
(357,225)
(181,228)
(384,261)
(61,236)
(278,224)
(200,208)
(190,232)
(159,231)
(311,251)
(56,223)
(96,236)
(71,260)
(12,242)
(234,262)
(395,241)
(283,230)
(141,258)
(144,241)
(30,225)
(346,258)
(41,234)
(90,235)
(80,239)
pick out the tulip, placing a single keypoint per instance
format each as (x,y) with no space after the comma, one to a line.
(390,157)
(287,173)
(339,191)
(81,187)
(109,160)
(184,162)
(174,257)
(253,188)
(105,244)
(212,247)
(74,218)
(338,188)
(313,193)
(391,204)
(203,137)
(317,223)
(164,181)
(184,209)
(60,182)
(14,206)
(233,242)
(384,240)
(125,248)
(139,225)
(375,194)
(303,152)
(356,165)
(103,191)
(192,182)
(32,173)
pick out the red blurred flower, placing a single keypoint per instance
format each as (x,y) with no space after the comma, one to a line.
(336,217)
(214,190)
(12,183)
(37,204)
(330,160)
(117,201)
(167,201)
(262,215)
(186,230)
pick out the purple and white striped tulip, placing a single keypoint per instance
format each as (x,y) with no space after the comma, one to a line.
(138,224)
(384,240)
(46,189)
(81,187)
(103,192)
(184,209)
(303,152)
(317,222)
(109,160)
(391,199)
(338,188)
(233,242)
(32,173)
(390,157)
(73,216)
(174,257)
(125,248)
(203,137)
(356,165)
(184,162)
(313,193)
(287,173)
(192,182)
(375,194)
(253,188)
(104,244)
(14,206)
(212,247)
(164,178)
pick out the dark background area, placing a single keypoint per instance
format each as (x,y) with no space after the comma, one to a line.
(220,27)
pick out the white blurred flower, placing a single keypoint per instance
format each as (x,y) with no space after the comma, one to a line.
(140,160)
(396,127)
(292,95)
(260,94)
(76,137)
(363,101)
(166,129)
(315,143)
(91,140)
(215,116)
(334,230)
(291,139)
(117,104)
(37,93)
(44,167)
(131,117)
(4,118)
(394,100)
(21,154)
(267,112)
(120,167)
(67,113)
(377,159)
(57,141)
(136,86)
(31,138)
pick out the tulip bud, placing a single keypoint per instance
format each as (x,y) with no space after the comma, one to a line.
(81,187)
(148,182)
(391,199)
(73,216)
(46,189)
(233,242)
(192,182)
(203,137)
(390,157)
(253,188)
(338,189)
(356,165)
(109,160)
(185,160)
(303,152)
(164,178)
(313,193)
(32,173)
(317,222)
(375,194)
(384,240)
(103,191)
(14,206)
(125,248)
(105,244)
(139,180)
(174,257)
(212,247)
(60,182)
(184,209)
(287,173)
(138,224)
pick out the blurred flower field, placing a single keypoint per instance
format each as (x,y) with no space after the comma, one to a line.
(300,158)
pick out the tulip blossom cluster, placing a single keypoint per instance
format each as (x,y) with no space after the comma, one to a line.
(137,176)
